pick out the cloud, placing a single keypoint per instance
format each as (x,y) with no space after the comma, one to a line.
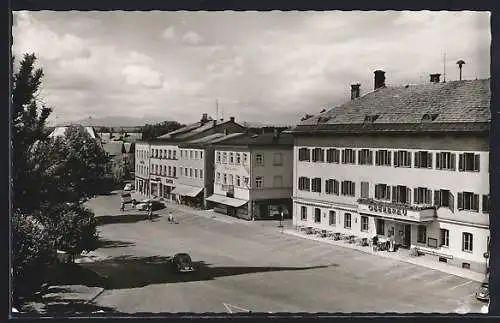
(142,75)
(169,33)
(192,38)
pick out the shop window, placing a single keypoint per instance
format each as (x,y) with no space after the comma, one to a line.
(332,219)
(303,213)
(317,215)
(347,220)
(421,233)
(364,223)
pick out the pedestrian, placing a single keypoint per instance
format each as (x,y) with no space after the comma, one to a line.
(150,211)
(170,217)
(122,206)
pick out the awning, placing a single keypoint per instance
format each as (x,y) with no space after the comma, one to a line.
(186,190)
(226,200)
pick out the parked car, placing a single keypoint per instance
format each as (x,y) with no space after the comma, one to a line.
(128,187)
(483,293)
(183,263)
(126,197)
(143,205)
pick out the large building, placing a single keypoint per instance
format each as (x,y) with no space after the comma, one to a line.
(253,175)
(159,162)
(407,163)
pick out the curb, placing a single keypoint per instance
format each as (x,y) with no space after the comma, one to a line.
(470,276)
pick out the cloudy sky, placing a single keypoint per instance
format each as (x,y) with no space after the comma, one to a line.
(261,66)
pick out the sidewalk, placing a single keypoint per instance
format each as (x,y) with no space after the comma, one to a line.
(398,255)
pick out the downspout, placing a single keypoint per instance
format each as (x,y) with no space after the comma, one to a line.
(250,181)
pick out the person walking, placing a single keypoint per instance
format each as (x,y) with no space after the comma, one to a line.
(122,206)
(150,211)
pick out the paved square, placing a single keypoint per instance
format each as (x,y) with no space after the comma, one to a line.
(251,267)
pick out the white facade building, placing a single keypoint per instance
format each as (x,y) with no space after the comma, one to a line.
(410,164)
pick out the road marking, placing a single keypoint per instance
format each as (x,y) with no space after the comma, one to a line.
(432,282)
(461,285)
(231,308)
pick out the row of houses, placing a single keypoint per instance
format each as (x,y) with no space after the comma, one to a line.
(408,163)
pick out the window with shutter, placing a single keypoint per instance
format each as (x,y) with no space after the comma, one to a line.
(417,158)
(336,187)
(428,197)
(438,160)
(429,160)
(461,162)
(451,202)
(476,163)
(486,204)
(396,159)
(453,162)
(460,205)
(377,157)
(407,197)
(475,203)
(407,159)
(394,193)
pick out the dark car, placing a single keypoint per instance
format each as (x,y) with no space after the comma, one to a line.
(483,293)
(182,263)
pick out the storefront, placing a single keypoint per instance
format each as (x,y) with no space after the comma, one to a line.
(230,206)
(168,186)
(155,186)
(272,209)
(189,195)
(142,185)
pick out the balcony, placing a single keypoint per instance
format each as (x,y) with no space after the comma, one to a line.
(397,211)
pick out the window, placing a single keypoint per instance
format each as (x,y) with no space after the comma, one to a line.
(190,154)
(201,173)
(365,157)
(195,154)
(259,160)
(468,201)
(238,181)
(225,179)
(383,158)
(383,192)
(422,195)
(332,218)
(318,155)
(333,155)
(195,173)
(170,154)
(190,172)
(304,154)
(304,184)
(278,181)
(365,190)
(317,215)
(217,178)
(423,159)
(402,158)
(316,185)
(174,154)
(445,238)
(277,159)
(468,162)
(218,156)
(238,158)
(347,220)
(259,182)
(348,156)
(332,186)
(445,160)
(231,158)
(230,179)
(161,154)
(380,226)
(303,213)
(224,158)
(245,158)
(444,198)
(245,181)
(486,204)
(201,154)
(364,223)
(465,265)
(401,194)
(174,171)
(348,188)
(421,234)
(467,241)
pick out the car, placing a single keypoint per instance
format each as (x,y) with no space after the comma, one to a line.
(126,197)
(143,205)
(182,263)
(128,187)
(483,293)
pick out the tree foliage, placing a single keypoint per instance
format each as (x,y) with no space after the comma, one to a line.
(151,131)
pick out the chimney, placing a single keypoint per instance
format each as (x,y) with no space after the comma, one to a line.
(231,119)
(355,91)
(204,117)
(379,79)
(435,78)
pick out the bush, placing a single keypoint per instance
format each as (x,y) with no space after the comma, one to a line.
(31,252)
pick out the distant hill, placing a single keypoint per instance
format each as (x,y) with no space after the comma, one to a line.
(114,121)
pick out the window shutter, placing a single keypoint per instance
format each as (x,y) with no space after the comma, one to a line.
(475,205)
(429,160)
(359,156)
(453,162)
(428,197)
(389,156)
(451,202)
(437,198)
(417,158)
(353,156)
(438,160)
(394,192)
(476,162)
(396,159)
(408,195)
(415,195)
(377,187)
(336,187)
(460,205)
(337,153)
(461,162)
(377,157)
(343,156)
(388,192)
(370,156)
(353,186)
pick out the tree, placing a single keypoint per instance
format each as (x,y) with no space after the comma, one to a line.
(151,131)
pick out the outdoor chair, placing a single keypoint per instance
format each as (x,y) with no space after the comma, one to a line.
(336,236)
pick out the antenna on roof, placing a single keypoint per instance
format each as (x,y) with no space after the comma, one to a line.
(444,68)
(221,113)
(216,109)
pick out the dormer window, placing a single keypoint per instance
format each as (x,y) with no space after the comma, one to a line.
(371,118)
(428,117)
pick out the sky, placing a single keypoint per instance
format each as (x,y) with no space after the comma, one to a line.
(270,67)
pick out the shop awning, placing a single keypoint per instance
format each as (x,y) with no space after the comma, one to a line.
(226,200)
(186,190)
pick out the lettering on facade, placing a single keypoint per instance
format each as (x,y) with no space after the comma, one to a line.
(169,181)
(387,209)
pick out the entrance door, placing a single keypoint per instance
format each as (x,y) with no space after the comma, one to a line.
(407,236)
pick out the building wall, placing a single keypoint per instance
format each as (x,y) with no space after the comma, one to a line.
(160,158)
(192,159)
(142,157)
(242,170)
(268,170)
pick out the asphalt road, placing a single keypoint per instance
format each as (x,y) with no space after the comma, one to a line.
(250,267)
